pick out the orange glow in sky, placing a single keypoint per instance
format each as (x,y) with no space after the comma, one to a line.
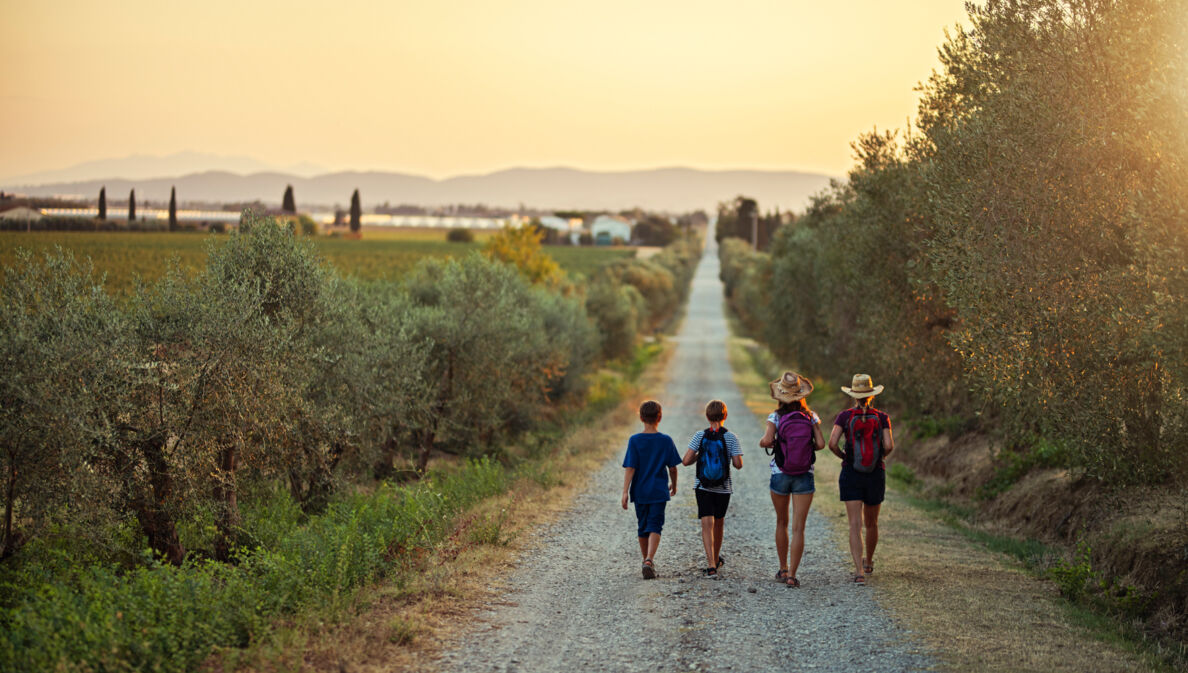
(444,87)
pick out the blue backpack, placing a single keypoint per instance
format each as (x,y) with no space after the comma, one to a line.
(713,460)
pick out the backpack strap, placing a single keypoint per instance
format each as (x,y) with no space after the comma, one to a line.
(704,435)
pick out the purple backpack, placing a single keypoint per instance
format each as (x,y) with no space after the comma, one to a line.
(795,451)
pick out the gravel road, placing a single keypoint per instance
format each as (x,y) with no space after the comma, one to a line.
(577,600)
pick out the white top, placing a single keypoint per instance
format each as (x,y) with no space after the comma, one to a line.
(774,419)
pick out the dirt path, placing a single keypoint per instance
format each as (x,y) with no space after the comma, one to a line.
(577,598)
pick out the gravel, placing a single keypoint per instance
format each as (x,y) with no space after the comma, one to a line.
(577,598)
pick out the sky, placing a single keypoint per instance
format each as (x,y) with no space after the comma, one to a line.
(449,87)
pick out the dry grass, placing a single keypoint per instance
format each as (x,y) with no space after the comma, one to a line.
(978,610)
(401,624)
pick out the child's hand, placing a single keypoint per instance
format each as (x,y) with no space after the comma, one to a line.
(672,489)
(624,501)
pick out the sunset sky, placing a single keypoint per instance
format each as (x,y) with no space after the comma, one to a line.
(446,87)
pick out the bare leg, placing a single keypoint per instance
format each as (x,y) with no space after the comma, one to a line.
(854,514)
(707,540)
(653,543)
(800,509)
(780,502)
(718,528)
(643,546)
(870,520)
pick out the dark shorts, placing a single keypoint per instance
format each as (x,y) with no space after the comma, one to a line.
(650,517)
(787,484)
(867,487)
(711,504)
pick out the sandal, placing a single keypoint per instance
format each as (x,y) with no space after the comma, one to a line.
(782,576)
(793,582)
(711,573)
(649,570)
(867,566)
(860,580)
(720,562)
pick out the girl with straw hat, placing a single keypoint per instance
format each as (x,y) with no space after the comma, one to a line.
(863,480)
(794,435)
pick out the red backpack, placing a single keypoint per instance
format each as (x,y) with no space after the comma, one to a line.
(794,450)
(864,439)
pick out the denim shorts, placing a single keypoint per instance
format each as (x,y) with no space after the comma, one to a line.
(787,484)
(650,517)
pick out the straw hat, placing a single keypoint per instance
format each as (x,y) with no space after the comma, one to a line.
(860,387)
(791,387)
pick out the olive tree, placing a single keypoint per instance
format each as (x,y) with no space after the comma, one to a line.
(60,342)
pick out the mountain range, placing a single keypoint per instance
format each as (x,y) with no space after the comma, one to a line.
(662,189)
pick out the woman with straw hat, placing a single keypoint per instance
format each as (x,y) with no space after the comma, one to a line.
(794,436)
(863,479)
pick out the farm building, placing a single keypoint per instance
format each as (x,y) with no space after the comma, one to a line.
(570,229)
(608,229)
(20,214)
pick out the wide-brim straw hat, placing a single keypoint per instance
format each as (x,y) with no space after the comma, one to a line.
(861,387)
(791,387)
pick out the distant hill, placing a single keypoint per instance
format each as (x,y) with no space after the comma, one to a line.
(662,189)
(142,166)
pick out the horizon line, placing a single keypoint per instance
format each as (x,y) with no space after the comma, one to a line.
(11,180)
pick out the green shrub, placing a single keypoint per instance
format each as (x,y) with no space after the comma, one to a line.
(460,236)
(167,618)
(1011,465)
(181,452)
(902,473)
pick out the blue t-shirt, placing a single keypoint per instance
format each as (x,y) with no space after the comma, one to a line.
(651,454)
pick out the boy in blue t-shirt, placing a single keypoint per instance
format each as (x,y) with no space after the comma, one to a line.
(649,453)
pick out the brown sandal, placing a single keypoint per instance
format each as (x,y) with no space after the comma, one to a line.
(649,570)
(860,580)
(782,576)
(793,582)
(867,566)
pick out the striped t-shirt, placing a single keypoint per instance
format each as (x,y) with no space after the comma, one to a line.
(732,449)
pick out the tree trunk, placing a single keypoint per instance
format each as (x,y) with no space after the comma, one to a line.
(155,520)
(226,494)
(9,501)
(384,467)
(430,433)
(427,438)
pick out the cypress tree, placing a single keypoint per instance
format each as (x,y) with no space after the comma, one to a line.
(173,209)
(289,204)
(356,213)
(132,206)
(103,203)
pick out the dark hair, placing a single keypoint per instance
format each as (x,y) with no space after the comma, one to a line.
(715,411)
(795,405)
(649,412)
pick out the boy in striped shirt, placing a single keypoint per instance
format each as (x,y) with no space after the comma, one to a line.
(713,495)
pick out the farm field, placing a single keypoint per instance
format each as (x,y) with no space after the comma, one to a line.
(124,256)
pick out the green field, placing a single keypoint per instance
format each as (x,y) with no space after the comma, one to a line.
(124,256)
